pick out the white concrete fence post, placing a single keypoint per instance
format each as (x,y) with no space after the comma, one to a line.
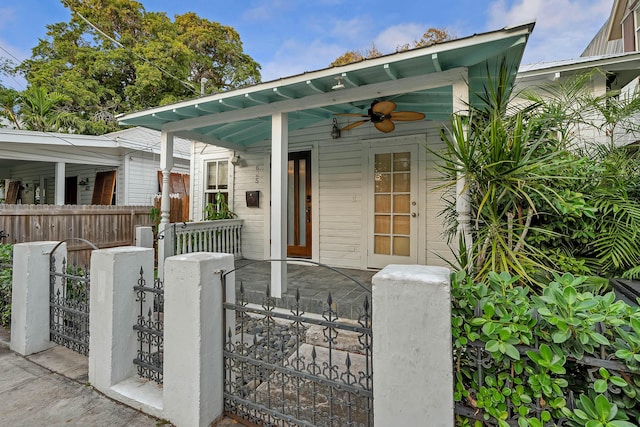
(30,296)
(413,378)
(193,337)
(144,236)
(113,311)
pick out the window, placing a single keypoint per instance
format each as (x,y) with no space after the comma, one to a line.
(216,181)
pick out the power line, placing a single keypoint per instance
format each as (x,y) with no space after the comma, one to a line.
(9,53)
(21,85)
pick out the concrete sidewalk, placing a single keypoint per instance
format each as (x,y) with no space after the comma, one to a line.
(50,389)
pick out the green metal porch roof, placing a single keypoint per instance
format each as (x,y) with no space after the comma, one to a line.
(416,80)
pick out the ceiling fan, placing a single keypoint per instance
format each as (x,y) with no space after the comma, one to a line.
(382,116)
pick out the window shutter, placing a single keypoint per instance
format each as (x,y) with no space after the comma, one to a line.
(628,34)
(12,193)
(105,183)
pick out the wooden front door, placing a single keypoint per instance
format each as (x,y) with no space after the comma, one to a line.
(299,205)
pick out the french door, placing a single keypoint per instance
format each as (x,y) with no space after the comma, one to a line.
(393,206)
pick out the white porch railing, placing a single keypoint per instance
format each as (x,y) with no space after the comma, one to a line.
(224,236)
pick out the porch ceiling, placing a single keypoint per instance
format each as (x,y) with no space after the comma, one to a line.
(416,80)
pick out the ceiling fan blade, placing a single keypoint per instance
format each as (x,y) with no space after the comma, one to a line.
(383,107)
(354,124)
(385,126)
(406,116)
(350,114)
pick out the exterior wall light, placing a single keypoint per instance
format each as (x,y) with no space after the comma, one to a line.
(335,130)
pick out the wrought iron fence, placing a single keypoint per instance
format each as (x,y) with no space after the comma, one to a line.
(69,288)
(69,305)
(290,368)
(150,329)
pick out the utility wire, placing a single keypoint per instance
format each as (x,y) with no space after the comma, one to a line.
(21,85)
(120,45)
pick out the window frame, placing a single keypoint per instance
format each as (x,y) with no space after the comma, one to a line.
(208,195)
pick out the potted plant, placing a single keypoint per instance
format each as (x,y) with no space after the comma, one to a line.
(218,210)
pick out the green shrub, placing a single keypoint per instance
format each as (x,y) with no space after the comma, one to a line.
(540,360)
(6,274)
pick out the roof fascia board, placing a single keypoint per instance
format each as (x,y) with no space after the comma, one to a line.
(43,138)
(409,84)
(55,156)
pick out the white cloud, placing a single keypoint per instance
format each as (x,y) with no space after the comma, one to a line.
(563,28)
(266,10)
(392,37)
(295,57)
(354,30)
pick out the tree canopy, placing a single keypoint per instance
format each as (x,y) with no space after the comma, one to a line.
(114,57)
(430,37)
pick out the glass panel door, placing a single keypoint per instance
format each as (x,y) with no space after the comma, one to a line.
(394,208)
(299,205)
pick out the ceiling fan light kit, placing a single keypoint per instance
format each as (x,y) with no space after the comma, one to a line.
(382,115)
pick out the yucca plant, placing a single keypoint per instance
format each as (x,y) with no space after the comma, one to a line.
(539,204)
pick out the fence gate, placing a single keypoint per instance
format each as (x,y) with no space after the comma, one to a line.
(149,329)
(69,302)
(289,368)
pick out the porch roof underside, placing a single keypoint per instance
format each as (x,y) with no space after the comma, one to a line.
(416,80)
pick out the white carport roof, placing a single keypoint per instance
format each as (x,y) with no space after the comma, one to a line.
(26,145)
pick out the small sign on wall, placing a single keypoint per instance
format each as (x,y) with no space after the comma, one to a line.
(253,199)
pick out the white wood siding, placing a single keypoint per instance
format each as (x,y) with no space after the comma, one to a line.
(341,199)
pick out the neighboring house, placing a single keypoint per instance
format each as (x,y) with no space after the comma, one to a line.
(614,51)
(362,200)
(620,33)
(119,168)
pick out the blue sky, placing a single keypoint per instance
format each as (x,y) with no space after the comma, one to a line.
(287,37)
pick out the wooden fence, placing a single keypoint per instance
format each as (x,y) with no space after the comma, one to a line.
(104,226)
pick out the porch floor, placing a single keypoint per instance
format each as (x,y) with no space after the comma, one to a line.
(314,282)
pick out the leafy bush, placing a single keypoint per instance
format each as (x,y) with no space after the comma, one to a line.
(562,357)
(6,274)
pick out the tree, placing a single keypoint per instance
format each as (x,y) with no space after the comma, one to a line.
(351,56)
(114,57)
(430,37)
(9,104)
(41,111)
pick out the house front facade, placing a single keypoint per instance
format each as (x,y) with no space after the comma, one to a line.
(317,170)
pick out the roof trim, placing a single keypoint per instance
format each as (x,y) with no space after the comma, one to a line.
(524,30)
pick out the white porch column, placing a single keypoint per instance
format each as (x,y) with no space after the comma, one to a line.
(30,296)
(413,381)
(463,208)
(279,162)
(166,164)
(60,183)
